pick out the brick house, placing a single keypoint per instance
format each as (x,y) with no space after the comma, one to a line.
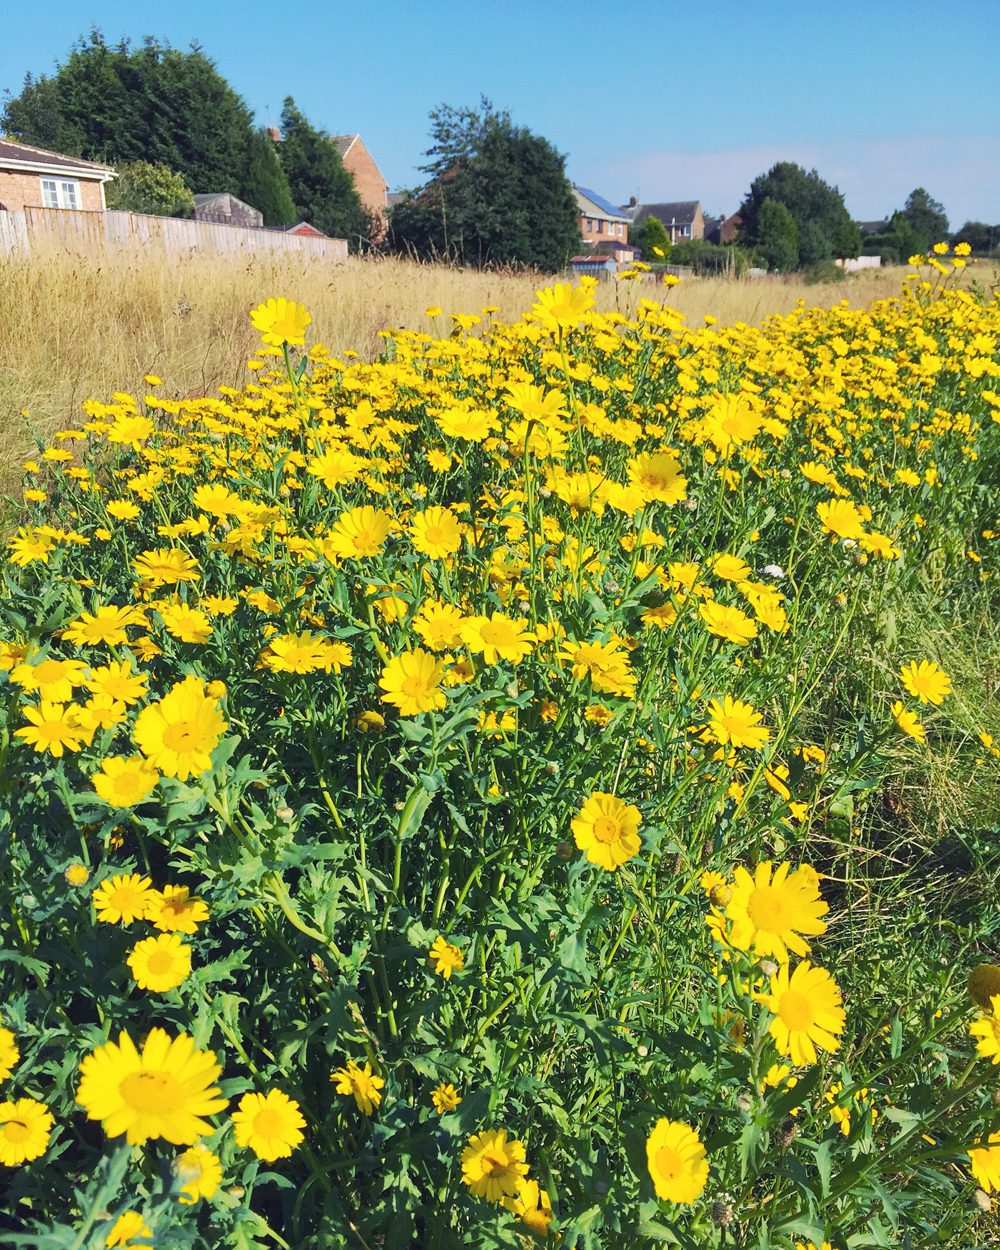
(722,229)
(600,222)
(683,220)
(368,178)
(32,177)
(226,210)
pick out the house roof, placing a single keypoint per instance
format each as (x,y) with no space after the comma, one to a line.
(676,212)
(343,142)
(586,198)
(203,198)
(25,156)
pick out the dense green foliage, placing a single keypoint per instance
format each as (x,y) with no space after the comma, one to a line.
(322,190)
(142,187)
(984,239)
(777,237)
(648,235)
(824,226)
(153,103)
(927,218)
(267,182)
(498,195)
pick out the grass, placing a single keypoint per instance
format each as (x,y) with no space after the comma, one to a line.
(74,329)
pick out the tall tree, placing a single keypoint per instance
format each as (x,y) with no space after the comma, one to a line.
(777,236)
(498,195)
(927,217)
(266,185)
(144,188)
(322,189)
(823,224)
(980,236)
(153,103)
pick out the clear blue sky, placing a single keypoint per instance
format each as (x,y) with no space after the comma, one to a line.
(663,100)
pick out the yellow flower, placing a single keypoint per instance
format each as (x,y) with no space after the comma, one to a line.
(199,1172)
(562,306)
(439,625)
(174,910)
(807,1010)
(119,682)
(9,1053)
(926,681)
(123,899)
(768,915)
(335,466)
(25,1127)
(473,425)
(125,781)
(163,1091)
(493,1166)
(735,723)
(166,567)
(608,830)
(359,533)
(677,1162)
(840,517)
(605,663)
(53,728)
(412,683)
(160,963)
(908,722)
(280,321)
(107,625)
(497,637)
(986,1031)
(659,477)
(446,957)
(728,623)
(186,623)
(445,1098)
(179,733)
(129,1226)
(52,680)
(731,421)
(270,1124)
(985,1161)
(532,1206)
(359,1083)
(436,533)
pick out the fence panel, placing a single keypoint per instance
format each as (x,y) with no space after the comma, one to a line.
(91,233)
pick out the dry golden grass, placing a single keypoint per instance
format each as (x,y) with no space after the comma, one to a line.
(73,329)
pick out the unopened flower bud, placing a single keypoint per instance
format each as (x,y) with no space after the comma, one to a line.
(768,967)
(787,1133)
(552,768)
(744,1102)
(77,874)
(982,1200)
(719,895)
(565,850)
(722,1214)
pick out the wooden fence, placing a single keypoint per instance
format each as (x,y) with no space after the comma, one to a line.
(38,229)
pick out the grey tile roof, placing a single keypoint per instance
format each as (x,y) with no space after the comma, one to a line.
(12,150)
(678,212)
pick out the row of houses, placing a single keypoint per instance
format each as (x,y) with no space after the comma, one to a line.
(31,177)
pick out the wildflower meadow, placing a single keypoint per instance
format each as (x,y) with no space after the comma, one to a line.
(467,799)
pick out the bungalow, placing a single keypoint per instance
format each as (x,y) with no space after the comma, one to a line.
(226,210)
(683,220)
(33,177)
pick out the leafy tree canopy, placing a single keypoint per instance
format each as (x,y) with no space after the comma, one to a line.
(980,236)
(649,235)
(824,228)
(498,195)
(152,103)
(927,218)
(145,188)
(777,236)
(322,190)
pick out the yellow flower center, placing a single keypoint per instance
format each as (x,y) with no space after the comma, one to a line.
(415,685)
(179,736)
(148,1092)
(268,1122)
(767,909)
(125,899)
(493,1163)
(669,1164)
(796,1011)
(48,671)
(606,829)
(161,962)
(16,1131)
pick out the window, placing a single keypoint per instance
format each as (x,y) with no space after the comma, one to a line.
(58,194)
(600,227)
(686,231)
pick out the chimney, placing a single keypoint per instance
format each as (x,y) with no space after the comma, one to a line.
(632,201)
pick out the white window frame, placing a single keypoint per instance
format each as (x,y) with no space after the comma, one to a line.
(61,193)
